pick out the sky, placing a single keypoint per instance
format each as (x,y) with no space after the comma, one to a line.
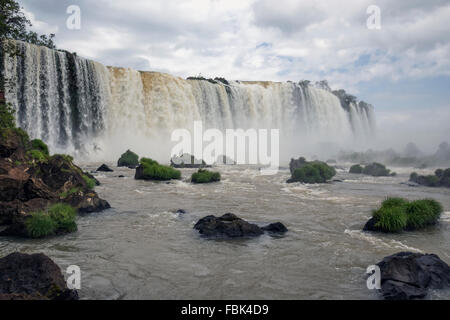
(402,68)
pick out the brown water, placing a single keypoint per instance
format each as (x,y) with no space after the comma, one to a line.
(140,249)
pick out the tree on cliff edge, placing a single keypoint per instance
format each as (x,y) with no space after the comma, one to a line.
(14,25)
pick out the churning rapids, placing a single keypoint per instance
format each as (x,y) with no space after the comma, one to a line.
(140,249)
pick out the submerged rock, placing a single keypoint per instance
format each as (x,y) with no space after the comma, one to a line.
(229,225)
(276,227)
(104,168)
(407,275)
(187,161)
(370,226)
(32,277)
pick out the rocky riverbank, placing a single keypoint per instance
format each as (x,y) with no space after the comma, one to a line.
(31,180)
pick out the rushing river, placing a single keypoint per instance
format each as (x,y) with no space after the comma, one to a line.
(141,249)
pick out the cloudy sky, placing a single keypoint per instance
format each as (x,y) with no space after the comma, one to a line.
(403,68)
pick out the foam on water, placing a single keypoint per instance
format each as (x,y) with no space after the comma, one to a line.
(379,242)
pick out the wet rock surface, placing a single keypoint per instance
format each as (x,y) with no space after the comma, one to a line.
(229,225)
(32,277)
(407,275)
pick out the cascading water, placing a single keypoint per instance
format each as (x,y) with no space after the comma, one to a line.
(82,107)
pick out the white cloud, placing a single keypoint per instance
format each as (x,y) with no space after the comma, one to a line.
(308,39)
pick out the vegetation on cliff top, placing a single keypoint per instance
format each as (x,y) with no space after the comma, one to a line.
(14,25)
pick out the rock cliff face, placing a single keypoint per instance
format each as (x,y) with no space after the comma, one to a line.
(29,183)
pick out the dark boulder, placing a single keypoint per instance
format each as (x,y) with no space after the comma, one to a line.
(32,277)
(181,211)
(407,275)
(276,227)
(104,168)
(370,225)
(227,225)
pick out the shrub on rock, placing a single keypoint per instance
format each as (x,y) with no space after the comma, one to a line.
(38,144)
(391,219)
(376,170)
(358,169)
(397,214)
(7,120)
(59,218)
(90,182)
(441,178)
(205,176)
(312,172)
(64,216)
(40,225)
(421,213)
(128,159)
(150,169)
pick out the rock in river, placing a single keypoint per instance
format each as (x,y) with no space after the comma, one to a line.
(104,168)
(407,275)
(32,277)
(229,225)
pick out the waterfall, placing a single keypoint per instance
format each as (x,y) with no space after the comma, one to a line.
(81,107)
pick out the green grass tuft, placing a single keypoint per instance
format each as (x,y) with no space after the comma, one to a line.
(391,219)
(313,172)
(64,216)
(89,182)
(396,214)
(65,194)
(394,202)
(358,169)
(154,171)
(422,213)
(129,158)
(39,145)
(38,156)
(40,225)
(205,176)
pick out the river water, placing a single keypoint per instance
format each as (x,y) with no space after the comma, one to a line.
(141,249)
